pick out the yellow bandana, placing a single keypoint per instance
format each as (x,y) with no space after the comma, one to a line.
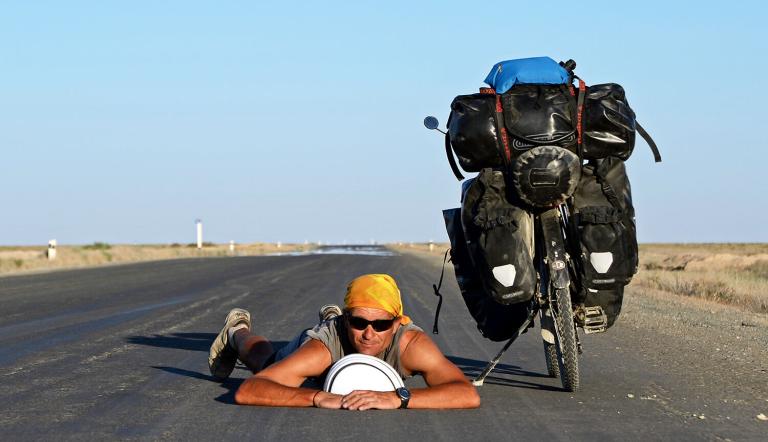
(376,291)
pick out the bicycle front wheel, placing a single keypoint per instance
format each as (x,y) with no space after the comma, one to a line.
(565,341)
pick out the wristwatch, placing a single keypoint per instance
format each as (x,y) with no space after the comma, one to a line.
(404,396)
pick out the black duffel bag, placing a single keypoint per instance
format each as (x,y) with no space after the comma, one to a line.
(499,236)
(473,132)
(609,124)
(495,321)
(539,114)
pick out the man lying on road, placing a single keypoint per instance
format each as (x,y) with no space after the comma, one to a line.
(372,323)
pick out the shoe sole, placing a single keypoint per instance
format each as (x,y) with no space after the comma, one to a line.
(324,314)
(222,358)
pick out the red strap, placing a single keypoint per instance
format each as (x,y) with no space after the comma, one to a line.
(503,130)
(580,109)
(499,121)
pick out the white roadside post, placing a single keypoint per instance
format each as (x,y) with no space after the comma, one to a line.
(279,244)
(431,246)
(51,252)
(199,233)
(232,246)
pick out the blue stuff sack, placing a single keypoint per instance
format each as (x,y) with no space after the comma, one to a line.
(536,70)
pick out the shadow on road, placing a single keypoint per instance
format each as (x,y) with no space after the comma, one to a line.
(230,384)
(501,374)
(186,341)
(182,341)
(195,342)
(188,373)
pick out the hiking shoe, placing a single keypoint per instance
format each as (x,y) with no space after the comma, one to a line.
(328,312)
(222,357)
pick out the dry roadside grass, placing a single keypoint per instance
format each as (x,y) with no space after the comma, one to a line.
(731,274)
(14,260)
(438,248)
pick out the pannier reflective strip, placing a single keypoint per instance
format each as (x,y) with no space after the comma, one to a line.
(601,261)
(505,274)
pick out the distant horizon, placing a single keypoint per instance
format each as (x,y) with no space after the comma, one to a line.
(315,243)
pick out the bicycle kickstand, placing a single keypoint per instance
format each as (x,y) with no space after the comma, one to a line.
(478,381)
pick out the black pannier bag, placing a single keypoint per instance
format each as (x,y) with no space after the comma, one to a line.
(499,237)
(486,129)
(539,114)
(609,123)
(495,321)
(604,223)
(609,299)
(473,133)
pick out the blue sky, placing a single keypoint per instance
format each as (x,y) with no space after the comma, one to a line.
(125,121)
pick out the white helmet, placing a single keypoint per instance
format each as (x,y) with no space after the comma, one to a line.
(361,372)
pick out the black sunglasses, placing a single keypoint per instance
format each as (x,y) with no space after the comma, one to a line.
(359,323)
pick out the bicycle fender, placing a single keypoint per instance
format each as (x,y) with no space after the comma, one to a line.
(555,246)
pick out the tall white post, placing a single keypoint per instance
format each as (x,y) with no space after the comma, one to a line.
(199,233)
(232,246)
(51,253)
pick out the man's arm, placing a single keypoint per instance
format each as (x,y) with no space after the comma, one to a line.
(447,386)
(278,384)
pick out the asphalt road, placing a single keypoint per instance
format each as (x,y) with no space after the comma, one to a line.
(121,353)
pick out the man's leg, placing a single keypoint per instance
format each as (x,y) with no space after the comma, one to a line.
(235,341)
(226,349)
(256,352)
(252,350)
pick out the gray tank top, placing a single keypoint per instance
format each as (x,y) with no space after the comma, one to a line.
(334,336)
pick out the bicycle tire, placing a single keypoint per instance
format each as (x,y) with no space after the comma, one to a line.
(565,341)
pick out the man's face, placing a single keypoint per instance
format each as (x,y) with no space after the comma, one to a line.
(368,341)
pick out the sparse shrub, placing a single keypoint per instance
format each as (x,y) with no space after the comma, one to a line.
(712,290)
(652,266)
(18,263)
(98,246)
(759,269)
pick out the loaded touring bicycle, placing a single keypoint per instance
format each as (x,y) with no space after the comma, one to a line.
(547,227)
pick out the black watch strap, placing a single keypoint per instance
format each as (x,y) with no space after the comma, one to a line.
(404,395)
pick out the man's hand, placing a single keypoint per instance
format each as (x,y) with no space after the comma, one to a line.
(323,399)
(367,400)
